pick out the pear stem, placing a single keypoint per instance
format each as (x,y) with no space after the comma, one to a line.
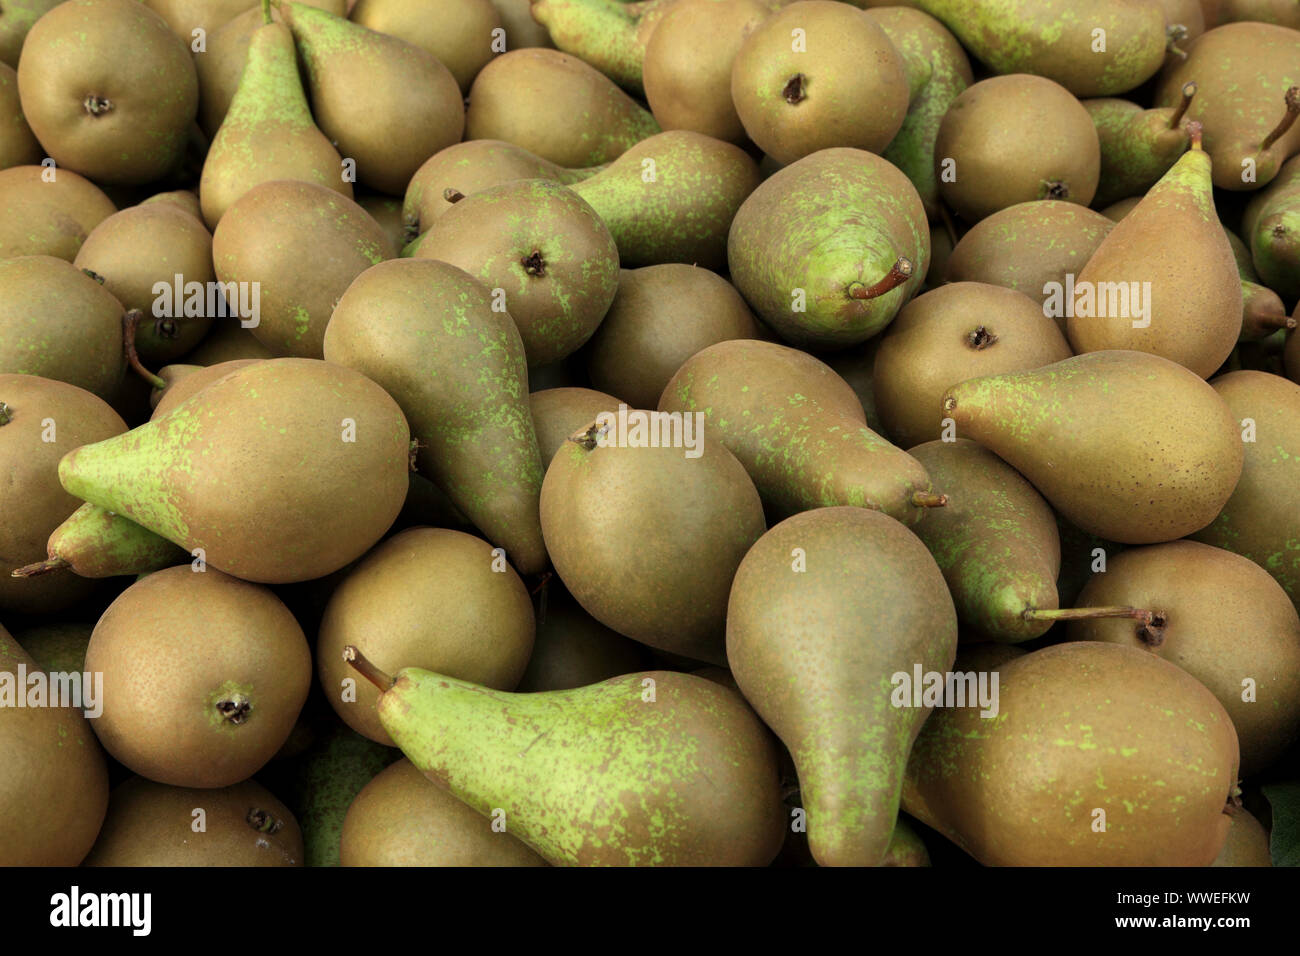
(1275,320)
(1292,111)
(898,273)
(1189,91)
(39,568)
(586,438)
(928,499)
(266,11)
(1194,130)
(6,413)
(131,322)
(1086,614)
(367,670)
(1175,34)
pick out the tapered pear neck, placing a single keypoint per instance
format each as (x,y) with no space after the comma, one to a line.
(367,669)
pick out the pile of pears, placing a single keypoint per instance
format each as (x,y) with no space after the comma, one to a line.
(575,432)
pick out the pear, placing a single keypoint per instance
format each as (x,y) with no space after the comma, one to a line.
(411,107)
(18,147)
(48,212)
(56,322)
(798,429)
(995,541)
(1137,146)
(555,106)
(1126,445)
(16,22)
(1258,521)
(318,451)
(59,647)
(797,97)
(55,784)
(826,609)
(611,35)
(688,60)
(151,824)
(436,598)
(109,90)
(1164,280)
(1247,843)
(186,16)
(95,543)
(650,769)
(671,198)
(547,252)
(204,676)
(921,37)
(1049,38)
(466,168)
(186,381)
(1221,618)
(268,132)
(1082,729)
(260,241)
(573,649)
(1051,136)
(40,421)
(660,317)
(428,332)
(1272,224)
(646,536)
(961,330)
(458,33)
(560,412)
(1030,247)
(1247,76)
(521,29)
(827,250)
(401,818)
(136,249)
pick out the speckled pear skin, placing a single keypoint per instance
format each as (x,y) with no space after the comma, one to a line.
(268,132)
(838,217)
(1080,727)
(100,544)
(683,213)
(1137,147)
(546,248)
(1053,38)
(1242,72)
(412,105)
(814,652)
(798,429)
(995,541)
(1172,239)
(1271,225)
(427,332)
(650,769)
(255,470)
(920,36)
(1127,446)
(608,34)
(1260,519)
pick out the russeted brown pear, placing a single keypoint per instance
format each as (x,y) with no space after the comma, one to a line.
(1081,730)
(47,212)
(1126,445)
(1221,618)
(828,609)
(645,520)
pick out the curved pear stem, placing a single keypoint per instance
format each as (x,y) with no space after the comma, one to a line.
(367,670)
(39,568)
(1292,111)
(130,323)
(1086,614)
(1189,91)
(1175,34)
(266,11)
(928,499)
(898,273)
(452,195)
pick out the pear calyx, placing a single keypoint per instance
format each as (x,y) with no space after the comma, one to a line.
(262,821)
(97,105)
(234,708)
(534,264)
(898,273)
(793,92)
(981,338)
(367,670)
(6,414)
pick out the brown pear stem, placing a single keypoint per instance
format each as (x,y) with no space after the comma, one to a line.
(1189,91)
(898,273)
(39,568)
(368,670)
(452,195)
(1086,614)
(1194,131)
(1292,111)
(543,580)
(928,499)
(1274,320)
(131,322)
